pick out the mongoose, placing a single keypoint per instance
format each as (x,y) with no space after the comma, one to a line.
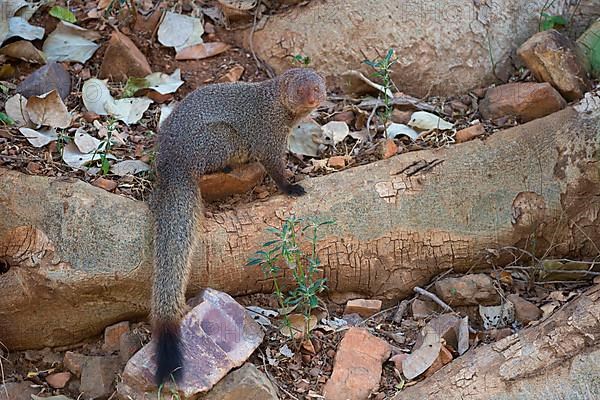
(212,128)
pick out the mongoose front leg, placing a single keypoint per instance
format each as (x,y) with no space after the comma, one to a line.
(275,166)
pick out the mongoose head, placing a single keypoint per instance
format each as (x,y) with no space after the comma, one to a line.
(302,90)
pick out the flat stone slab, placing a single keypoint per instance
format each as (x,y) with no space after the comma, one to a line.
(217,334)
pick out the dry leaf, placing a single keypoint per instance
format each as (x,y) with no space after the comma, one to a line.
(427,121)
(87,143)
(180,31)
(48,109)
(165,111)
(39,138)
(421,359)
(18,27)
(76,159)
(202,50)
(128,110)
(95,95)
(16,109)
(305,138)
(129,167)
(394,130)
(297,326)
(24,50)
(497,316)
(233,75)
(336,131)
(70,42)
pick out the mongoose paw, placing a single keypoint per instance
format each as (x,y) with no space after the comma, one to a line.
(294,190)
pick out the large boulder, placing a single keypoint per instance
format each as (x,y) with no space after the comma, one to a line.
(443,47)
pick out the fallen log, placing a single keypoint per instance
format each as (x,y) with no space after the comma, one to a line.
(79,258)
(555,359)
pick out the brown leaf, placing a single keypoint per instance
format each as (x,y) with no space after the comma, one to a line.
(24,50)
(48,109)
(202,50)
(233,75)
(297,326)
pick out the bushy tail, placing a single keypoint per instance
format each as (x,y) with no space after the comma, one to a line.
(174,206)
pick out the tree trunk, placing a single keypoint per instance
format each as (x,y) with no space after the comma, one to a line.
(81,258)
(556,359)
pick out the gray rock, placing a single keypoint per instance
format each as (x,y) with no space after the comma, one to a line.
(97,376)
(246,382)
(218,334)
(47,78)
(17,391)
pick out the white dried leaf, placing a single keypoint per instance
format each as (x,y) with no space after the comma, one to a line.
(19,27)
(128,110)
(394,130)
(497,316)
(422,358)
(164,83)
(16,109)
(129,167)
(305,138)
(70,42)
(427,121)
(76,159)
(95,95)
(48,109)
(87,143)
(165,111)
(286,351)
(180,31)
(261,315)
(336,131)
(39,138)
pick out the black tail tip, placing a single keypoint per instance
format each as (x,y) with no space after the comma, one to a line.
(169,353)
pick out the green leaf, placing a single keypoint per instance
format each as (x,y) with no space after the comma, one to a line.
(63,14)
(133,85)
(270,243)
(105,166)
(253,261)
(389,55)
(6,120)
(551,21)
(3,89)
(314,301)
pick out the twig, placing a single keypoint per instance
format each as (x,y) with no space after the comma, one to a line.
(433,297)
(364,321)
(402,307)
(2,369)
(272,378)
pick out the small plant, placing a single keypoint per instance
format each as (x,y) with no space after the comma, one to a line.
(303,61)
(105,146)
(286,250)
(383,71)
(62,140)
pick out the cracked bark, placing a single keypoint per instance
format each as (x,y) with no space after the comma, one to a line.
(539,180)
